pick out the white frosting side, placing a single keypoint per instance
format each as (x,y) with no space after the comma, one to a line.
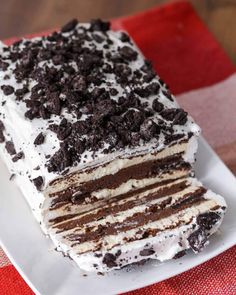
(33,197)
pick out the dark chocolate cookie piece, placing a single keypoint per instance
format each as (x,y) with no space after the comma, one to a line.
(208,220)
(110,260)
(198,239)
(38,182)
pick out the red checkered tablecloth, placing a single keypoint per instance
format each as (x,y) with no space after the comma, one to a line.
(197,69)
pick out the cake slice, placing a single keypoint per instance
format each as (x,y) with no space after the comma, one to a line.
(160,222)
(86,125)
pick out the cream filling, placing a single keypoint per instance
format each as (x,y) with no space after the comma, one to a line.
(137,183)
(189,149)
(106,193)
(110,241)
(122,215)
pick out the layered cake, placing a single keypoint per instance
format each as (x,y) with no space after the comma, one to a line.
(101,150)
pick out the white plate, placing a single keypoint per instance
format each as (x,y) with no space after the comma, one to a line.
(48,272)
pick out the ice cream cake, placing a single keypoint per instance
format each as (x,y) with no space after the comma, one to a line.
(101,149)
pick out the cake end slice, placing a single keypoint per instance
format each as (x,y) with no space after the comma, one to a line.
(158,222)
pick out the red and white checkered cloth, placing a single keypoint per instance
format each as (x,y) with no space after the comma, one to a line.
(190,60)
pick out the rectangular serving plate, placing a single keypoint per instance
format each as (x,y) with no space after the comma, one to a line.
(48,272)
